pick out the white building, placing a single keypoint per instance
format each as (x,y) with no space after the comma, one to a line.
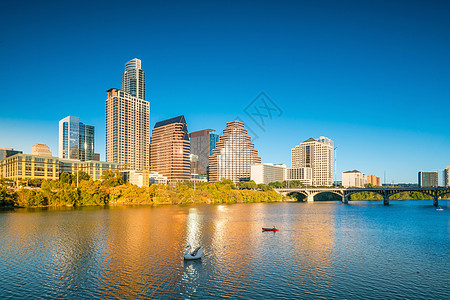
(304,175)
(128,120)
(267,173)
(143,178)
(353,179)
(317,154)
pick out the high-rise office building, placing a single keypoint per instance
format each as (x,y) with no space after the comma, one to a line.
(428,179)
(170,149)
(317,154)
(76,140)
(40,149)
(203,143)
(447,176)
(127,130)
(6,152)
(133,79)
(233,156)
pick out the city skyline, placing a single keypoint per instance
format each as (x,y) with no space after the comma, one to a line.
(380,91)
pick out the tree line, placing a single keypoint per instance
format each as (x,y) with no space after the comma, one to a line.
(73,191)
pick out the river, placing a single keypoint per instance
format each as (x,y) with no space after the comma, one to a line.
(361,250)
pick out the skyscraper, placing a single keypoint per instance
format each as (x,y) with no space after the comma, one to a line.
(234,154)
(133,79)
(128,120)
(76,140)
(127,130)
(203,143)
(316,154)
(170,149)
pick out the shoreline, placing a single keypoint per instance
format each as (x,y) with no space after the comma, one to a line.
(290,200)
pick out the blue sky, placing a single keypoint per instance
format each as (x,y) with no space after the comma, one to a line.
(374,76)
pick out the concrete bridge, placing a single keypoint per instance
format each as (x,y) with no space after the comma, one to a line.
(385,192)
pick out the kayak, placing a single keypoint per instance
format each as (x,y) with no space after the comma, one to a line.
(270,229)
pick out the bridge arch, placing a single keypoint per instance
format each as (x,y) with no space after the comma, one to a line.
(443,193)
(418,191)
(348,194)
(338,193)
(299,193)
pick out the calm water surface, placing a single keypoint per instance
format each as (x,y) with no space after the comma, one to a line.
(363,250)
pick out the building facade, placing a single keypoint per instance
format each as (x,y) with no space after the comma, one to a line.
(170,149)
(7,152)
(143,178)
(353,179)
(317,154)
(203,143)
(447,176)
(133,79)
(266,173)
(28,166)
(373,180)
(40,149)
(127,130)
(304,175)
(428,179)
(233,156)
(76,140)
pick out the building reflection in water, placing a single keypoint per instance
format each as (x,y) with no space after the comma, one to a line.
(136,252)
(144,252)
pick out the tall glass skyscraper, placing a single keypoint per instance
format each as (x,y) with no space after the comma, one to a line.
(133,79)
(203,143)
(76,140)
(128,120)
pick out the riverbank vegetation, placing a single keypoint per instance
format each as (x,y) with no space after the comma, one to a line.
(113,191)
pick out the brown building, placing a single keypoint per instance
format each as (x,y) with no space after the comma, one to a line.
(203,143)
(170,149)
(373,180)
(233,155)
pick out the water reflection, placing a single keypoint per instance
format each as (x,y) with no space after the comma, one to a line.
(322,250)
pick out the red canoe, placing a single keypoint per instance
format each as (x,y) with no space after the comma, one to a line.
(270,229)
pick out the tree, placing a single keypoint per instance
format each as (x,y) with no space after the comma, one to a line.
(7,198)
(65,177)
(276,184)
(263,187)
(112,179)
(82,176)
(247,185)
